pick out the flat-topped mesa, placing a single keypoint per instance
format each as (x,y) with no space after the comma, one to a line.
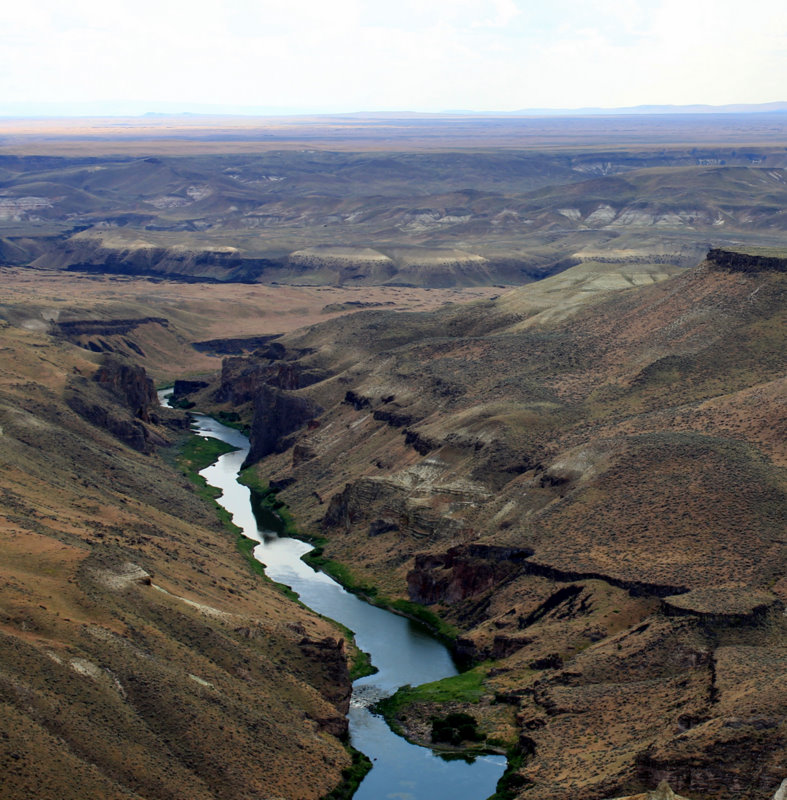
(94,251)
(745,262)
(734,605)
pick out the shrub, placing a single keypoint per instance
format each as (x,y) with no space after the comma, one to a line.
(455,729)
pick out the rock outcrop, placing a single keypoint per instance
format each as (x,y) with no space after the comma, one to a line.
(183,388)
(244,344)
(130,385)
(71,329)
(120,398)
(242,381)
(329,659)
(139,655)
(736,261)
(277,414)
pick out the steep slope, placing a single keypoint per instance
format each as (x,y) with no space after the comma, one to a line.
(593,495)
(140,656)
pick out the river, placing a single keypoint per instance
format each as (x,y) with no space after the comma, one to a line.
(403,651)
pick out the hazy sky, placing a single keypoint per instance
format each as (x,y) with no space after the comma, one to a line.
(128,56)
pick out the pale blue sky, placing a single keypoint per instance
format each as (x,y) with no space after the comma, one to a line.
(128,56)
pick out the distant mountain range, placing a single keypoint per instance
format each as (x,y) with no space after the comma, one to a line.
(730,108)
(141,108)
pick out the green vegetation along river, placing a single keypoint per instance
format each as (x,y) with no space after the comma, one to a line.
(403,651)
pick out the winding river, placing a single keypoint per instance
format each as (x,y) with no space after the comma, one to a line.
(403,651)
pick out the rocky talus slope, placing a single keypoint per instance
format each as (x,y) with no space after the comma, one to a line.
(592,494)
(140,657)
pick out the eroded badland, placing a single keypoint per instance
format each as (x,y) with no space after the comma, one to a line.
(540,402)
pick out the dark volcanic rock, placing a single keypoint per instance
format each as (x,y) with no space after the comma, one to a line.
(419,443)
(276,415)
(356,400)
(104,327)
(120,399)
(395,419)
(243,378)
(737,758)
(129,431)
(130,384)
(746,262)
(460,573)
(264,345)
(182,388)
(379,526)
(336,687)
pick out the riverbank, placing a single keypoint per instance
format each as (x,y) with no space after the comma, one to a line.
(267,505)
(402,650)
(195,453)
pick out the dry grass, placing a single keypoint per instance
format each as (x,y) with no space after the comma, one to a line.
(634,443)
(108,686)
(195,312)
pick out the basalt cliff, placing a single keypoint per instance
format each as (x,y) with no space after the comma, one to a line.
(592,494)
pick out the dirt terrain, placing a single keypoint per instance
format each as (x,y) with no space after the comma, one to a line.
(523,378)
(156,323)
(141,656)
(162,134)
(593,496)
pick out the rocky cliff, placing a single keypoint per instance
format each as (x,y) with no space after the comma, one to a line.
(121,399)
(277,414)
(420,218)
(86,252)
(736,261)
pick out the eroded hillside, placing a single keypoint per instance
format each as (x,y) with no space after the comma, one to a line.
(592,492)
(140,656)
(433,219)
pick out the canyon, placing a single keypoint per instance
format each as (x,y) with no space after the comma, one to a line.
(141,657)
(431,203)
(594,503)
(523,381)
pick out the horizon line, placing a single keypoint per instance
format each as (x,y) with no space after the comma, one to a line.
(58,110)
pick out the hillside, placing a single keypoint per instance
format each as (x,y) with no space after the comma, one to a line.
(178,330)
(469,217)
(140,655)
(589,485)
